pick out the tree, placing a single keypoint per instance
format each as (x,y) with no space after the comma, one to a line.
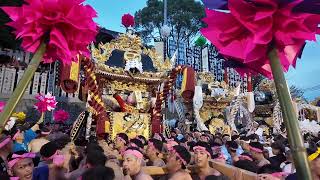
(184,19)
(7,39)
(297,93)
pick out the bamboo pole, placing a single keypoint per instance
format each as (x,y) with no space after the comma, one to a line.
(290,119)
(22,85)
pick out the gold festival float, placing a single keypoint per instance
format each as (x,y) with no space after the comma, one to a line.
(125,86)
(210,102)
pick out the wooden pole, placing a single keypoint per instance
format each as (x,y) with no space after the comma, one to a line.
(22,85)
(290,119)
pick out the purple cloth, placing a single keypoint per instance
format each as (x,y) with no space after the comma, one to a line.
(216,4)
(308,6)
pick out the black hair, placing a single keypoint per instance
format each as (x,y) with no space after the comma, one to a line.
(137,142)
(183,153)
(312,149)
(207,146)
(257,145)
(246,165)
(48,149)
(191,144)
(124,137)
(93,147)
(157,144)
(278,145)
(224,135)
(234,137)
(96,158)
(268,169)
(254,137)
(99,173)
(143,139)
(233,146)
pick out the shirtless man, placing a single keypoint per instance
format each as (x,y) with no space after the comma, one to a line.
(256,150)
(202,155)
(36,144)
(177,162)
(132,160)
(153,152)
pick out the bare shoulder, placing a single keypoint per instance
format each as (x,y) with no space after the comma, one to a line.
(181,176)
(145,177)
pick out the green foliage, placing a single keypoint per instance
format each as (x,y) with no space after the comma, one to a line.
(201,41)
(297,93)
(184,17)
(7,39)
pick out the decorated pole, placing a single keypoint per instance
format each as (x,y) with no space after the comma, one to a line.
(52,31)
(290,118)
(22,85)
(245,34)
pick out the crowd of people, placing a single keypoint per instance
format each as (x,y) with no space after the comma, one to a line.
(45,152)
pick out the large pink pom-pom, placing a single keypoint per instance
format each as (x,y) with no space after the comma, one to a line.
(45,103)
(2,105)
(68,24)
(60,116)
(251,28)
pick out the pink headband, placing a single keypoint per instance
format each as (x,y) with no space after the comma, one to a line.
(134,153)
(16,134)
(121,139)
(57,159)
(256,149)
(45,133)
(279,174)
(170,144)
(244,157)
(201,149)
(18,157)
(178,155)
(5,142)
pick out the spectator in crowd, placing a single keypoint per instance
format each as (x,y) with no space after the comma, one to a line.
(154,154)
(256,150)
(6,146)
(202,155)
(20,165)
(177,162)
(132,160)
(278,150)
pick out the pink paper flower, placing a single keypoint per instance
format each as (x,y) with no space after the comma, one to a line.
(68,23)
(45,103)
(127,20)
(60,116)
(251,28)
(2,105)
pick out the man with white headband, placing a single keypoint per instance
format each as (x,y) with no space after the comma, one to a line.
(6,146)
(132,160)
(177,162)
(21,165)
(202,156)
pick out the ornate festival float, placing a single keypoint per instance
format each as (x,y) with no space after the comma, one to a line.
(125,86)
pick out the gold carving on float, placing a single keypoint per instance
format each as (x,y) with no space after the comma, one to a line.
(132,124)
(132,46)
(218,125)
(206,77)
(126,86)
